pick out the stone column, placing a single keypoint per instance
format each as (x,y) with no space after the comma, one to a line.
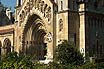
(82,28)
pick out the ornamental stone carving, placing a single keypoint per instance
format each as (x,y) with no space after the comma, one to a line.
(49,13)
(39,5)
(42,6)
(45,6)
(31,4)
(22,17)
(48,37)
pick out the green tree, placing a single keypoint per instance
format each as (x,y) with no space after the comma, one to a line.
(13,60)
(68,53)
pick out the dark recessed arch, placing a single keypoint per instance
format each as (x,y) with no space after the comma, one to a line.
(34,44)
(7,45)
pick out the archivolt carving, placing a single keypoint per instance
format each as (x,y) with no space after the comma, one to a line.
(40,5)
(31,4)
(37,4)
(45,6)
(27,8)
(48,15)
(22,16)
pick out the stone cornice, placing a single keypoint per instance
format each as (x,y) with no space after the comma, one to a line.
(6,31)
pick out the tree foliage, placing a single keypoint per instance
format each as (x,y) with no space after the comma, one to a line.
(14,60)
(68,57)
(68,53)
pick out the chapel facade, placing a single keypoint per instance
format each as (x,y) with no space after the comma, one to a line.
(40,25)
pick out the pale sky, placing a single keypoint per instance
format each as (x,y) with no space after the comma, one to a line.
(9,3)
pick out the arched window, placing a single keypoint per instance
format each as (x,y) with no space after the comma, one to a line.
(7,46)
(60,25)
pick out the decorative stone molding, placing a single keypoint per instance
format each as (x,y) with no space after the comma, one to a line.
(39,5)
(48,37)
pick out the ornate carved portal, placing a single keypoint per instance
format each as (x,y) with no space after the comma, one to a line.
(40,5)
(34,38)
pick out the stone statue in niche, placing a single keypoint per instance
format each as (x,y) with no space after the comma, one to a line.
(44,9)
(27,7)
(49,14)
(31,4)
(42,6)
(46,12)
(35,1)
(38,2)
(39,7)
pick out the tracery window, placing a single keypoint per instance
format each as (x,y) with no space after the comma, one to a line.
(60,25)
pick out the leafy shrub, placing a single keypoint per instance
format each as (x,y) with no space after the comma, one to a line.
(67,53)
(14,60)
(68,57)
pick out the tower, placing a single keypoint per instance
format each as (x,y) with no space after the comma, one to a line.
(62,21)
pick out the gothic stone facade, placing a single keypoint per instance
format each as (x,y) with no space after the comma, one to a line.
(43,24)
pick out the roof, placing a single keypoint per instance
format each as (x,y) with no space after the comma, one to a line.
(6,31)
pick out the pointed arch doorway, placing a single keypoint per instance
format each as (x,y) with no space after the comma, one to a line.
(34,37)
